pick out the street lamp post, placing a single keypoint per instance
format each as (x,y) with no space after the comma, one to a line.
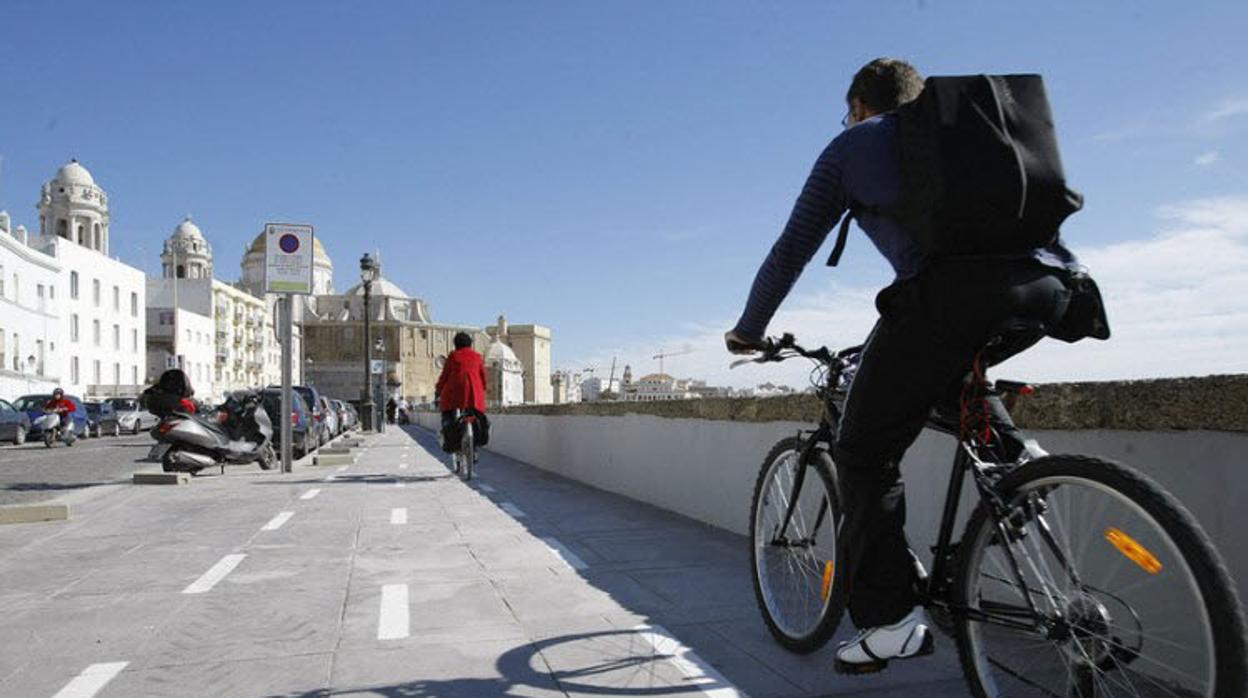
(368,273)
(384,406)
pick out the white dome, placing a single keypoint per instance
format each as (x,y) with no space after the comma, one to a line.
(187,230)
(74,173)
(501,353)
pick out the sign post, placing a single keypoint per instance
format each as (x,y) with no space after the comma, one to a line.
(288,260)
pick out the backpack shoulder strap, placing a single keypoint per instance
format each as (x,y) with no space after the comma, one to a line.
(841,237)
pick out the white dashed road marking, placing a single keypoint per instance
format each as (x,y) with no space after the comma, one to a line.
(402,466)
(278,520)
(310,494)
(569,558)
(91,680)
(698,672)
(214,575)
(486,488)
(398,516)
(343,468)
(512,509)
(393,621)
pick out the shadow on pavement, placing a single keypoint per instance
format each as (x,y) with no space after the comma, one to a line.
(624,671)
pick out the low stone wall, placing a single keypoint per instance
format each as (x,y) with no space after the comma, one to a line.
(700,458)
(1213,403)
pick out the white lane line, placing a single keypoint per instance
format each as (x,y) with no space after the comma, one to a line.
(277,521)
(569,558)
(393,621)
(214,575)
(91,680)
(310,494)
(402,466)
(512,509)
(699,673)
(398,516)
(330,478)
(486,488)
(343,468)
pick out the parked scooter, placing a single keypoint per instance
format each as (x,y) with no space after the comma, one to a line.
(51,423)
(238,432)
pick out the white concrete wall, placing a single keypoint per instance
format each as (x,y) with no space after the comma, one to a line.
(706,469)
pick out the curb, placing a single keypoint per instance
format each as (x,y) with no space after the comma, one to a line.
(33,513)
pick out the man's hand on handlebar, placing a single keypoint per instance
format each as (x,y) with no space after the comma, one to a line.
(740,345)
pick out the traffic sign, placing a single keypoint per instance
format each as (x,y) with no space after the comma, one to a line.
(378,367)
(288,258)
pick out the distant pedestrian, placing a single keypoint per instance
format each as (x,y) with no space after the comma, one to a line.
(391,408)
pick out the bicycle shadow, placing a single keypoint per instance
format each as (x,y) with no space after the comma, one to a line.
(625,664)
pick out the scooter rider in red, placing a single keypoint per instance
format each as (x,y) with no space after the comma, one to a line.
(60,406)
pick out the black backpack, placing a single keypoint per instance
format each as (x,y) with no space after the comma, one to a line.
(980,170)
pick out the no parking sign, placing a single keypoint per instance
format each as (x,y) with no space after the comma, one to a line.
(288,258)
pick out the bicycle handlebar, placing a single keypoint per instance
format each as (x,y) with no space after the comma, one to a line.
(775,348)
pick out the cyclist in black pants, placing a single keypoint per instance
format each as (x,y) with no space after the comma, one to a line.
(934,318)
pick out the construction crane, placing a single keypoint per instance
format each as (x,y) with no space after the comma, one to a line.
(663,355)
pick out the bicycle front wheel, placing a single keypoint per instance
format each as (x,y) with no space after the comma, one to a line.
(1095,583)
(794,517)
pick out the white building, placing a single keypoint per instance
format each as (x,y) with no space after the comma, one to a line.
(592,389)
(241,352)
(505,376)
(247,352)
(30,322)
(101,300)
(656,387)
(182,329)
(565,387)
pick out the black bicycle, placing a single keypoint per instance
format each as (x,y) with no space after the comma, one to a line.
(1074,576)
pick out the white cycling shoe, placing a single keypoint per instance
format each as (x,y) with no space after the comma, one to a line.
(872,648)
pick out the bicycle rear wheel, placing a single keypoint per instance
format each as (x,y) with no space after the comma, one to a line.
(796,578)
(466,451)
(1131,597)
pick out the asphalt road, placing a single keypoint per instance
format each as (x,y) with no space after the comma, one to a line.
(33,472)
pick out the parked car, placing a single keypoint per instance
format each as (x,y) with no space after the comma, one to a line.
(32,405)
(14,424)
(302,430)
(312,397)
(131,415)
(102,419)
(346,419)
(333,425)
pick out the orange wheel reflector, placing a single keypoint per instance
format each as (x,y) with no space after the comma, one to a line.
(1133,550)
(826,589)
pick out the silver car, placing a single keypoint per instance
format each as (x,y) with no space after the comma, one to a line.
(132,417)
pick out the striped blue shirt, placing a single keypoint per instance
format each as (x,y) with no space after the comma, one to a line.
(858,165)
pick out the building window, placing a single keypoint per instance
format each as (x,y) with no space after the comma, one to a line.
(95,292)
(39,291)
(116,374)
(134,340)
(73,370)
(95,332)
(134,304)
(95,371)
(73,328)
(134,375)
(73,285)
(52,292)
(117,299)
(117,337)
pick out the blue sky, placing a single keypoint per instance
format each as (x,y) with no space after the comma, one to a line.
(613,170)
